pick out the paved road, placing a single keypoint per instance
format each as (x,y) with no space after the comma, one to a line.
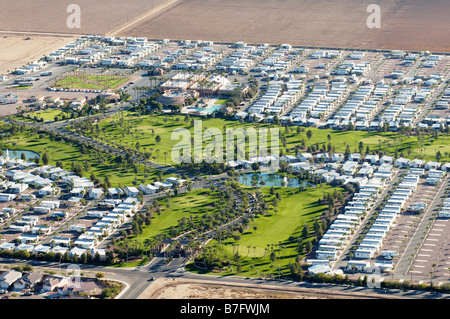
(138,279)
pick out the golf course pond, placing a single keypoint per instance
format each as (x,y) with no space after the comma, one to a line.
(29,155)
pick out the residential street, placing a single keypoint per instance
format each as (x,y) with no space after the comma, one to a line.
(138,279)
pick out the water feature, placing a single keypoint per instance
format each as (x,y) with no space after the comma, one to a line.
(272,180)
(29,155)
(210,109)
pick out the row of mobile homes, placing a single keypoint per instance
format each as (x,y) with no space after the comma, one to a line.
(385,220)
(336,237)
(444,212)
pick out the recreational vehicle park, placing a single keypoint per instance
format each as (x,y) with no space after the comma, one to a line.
(363,160)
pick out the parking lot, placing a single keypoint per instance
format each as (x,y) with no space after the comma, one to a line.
(434,254)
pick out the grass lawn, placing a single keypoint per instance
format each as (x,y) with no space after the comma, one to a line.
(221,101)
(193,204)
(407,146)
(132,264)
(49,114)
(196,203)
(19,87)
(92,81)
(282,227)
(68,153)
(73,82)
(129,128)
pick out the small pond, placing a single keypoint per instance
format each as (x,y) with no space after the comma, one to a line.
(29,155)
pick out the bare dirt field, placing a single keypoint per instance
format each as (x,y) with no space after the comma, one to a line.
(405,24)
(164,288)
(15,51)
(409,25)
(96,17)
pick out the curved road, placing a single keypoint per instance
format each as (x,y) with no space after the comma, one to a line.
(138,279)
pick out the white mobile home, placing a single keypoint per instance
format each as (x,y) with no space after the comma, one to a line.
(148,189)
(50,204)
(58,214)
(61,241)
(41,229)
(94,214)
(77,228)
(131,191)
(41,209)
(19,229)
(6,197)
(95,193)
(389,254)
(28,239)
(323,254)
(46,191)
(358,266)
(364,253)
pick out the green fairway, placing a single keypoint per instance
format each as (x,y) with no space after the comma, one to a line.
(68,153)
(277,231)
(193,204)
(129,128)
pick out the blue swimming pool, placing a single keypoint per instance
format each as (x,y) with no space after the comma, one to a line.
(212,108)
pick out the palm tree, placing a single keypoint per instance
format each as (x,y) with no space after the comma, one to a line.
(265,251)
(434,265)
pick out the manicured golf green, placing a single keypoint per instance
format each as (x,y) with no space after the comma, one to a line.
(277,230)
(194,203)
(130,128)
(68,153)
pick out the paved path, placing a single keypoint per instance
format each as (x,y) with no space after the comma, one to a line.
(141,18)
(138,279)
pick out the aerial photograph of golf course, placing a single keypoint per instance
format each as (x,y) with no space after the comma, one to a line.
(192,150)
